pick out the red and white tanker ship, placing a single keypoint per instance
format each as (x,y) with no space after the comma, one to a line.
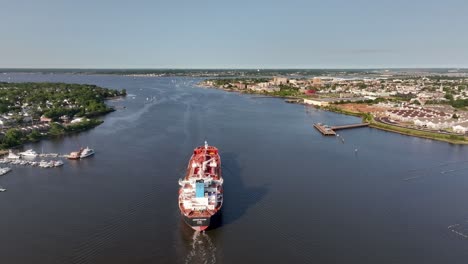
(201,190)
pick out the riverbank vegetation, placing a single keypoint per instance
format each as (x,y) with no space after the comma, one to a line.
(31,111)
(367,117)
(455,139)
(55,99)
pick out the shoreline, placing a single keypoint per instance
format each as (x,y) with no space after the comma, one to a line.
(403,131)
(265,95)
(372,123)
(73,108)
(95,123)
(456,142)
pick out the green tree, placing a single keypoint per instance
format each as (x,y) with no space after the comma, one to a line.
(56,129)
(448,96)
(12,138)
(367,117)
(34,135)
(3,108)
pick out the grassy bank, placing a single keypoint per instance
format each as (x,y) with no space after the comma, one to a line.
(342,111)
(454,139)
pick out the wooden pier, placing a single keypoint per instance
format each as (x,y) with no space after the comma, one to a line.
(330,131)
(325,130)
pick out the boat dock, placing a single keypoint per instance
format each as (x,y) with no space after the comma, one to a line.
(330,130)
(324,129)
(293,101)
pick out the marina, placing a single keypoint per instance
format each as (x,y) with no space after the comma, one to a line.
(41,164)
(28,158)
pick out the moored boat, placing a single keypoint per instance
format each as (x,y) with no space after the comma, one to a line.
(12,155)
(4,170)
(86,153)
(28,153)
(74,155)
(43,164)
(201,190)
(58,163)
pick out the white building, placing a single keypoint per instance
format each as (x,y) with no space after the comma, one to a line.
(459,129)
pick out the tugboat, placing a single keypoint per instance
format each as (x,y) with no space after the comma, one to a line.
(201,190)
(75,155)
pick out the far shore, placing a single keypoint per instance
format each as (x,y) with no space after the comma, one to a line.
(461,140)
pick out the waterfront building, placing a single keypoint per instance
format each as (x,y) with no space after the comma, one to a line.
(280,80)
(45,119)
(316,102)
(240,85)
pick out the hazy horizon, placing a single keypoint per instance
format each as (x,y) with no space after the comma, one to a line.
(240,69)
(336,34)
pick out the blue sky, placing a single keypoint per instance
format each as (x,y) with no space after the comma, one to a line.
(233,34)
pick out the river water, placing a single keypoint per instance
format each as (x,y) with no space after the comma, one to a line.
(291,195)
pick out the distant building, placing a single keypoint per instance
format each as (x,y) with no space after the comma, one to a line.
(280,80)
(45,119)
(240,85)
(370,97)
(316,102)
(317,81)
(459,129)
(263,84)
(78,120)
(64,118)
(27,118)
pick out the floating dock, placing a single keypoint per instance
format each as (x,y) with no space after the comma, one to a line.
(330,130)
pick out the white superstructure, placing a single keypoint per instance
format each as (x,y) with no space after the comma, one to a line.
(28,153)
(86,152)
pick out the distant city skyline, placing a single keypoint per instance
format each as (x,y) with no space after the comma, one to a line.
(234,35)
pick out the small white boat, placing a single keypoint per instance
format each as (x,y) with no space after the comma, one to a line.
(86,152)
(58,163)
(28,153)
(2,190)
(4,170)
(45,164)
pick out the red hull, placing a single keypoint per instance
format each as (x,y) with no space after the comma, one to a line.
(201,192)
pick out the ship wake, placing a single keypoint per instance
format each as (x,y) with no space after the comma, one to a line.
(202,251)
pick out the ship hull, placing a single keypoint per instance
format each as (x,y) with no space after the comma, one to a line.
(200,194)
(86,155)
(197,223)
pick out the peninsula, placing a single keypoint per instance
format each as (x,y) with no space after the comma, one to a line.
(31,111)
